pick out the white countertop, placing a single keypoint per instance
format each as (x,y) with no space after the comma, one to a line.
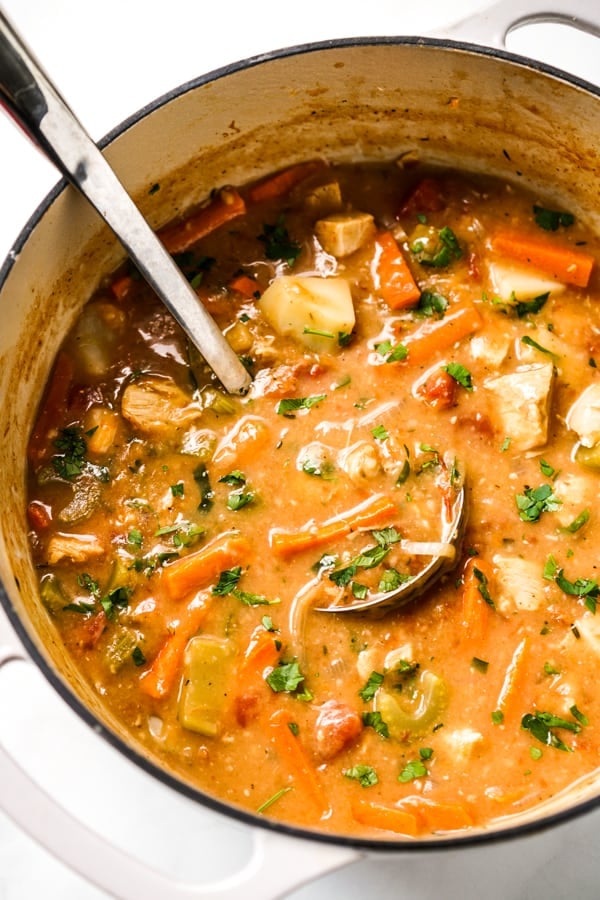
(109,59)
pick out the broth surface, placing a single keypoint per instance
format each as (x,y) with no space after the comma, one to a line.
(409,330)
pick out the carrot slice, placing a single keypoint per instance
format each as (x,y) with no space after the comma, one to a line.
(197,570)
(374,511)
(54,405)
(158,679)
(227,205)
(387,818)
(396,283)
(295,759)
(425,197)
(281,183)
(476,610)
(557,260)
(440,816)
(120,286)
(436,337)
(244,285)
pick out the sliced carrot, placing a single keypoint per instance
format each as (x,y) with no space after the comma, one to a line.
(244,285)
(295,759)
(436,337)
(197,570)
(374,511)
(476,610)
(437,816)
(53,408)
(121,286)
(510,699)
(396,283)
(386,818)
(557,260)
(228,204)
(281,183)
(261,653)
(438,390)
(159,678)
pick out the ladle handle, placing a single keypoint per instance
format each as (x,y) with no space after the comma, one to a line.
(36,105)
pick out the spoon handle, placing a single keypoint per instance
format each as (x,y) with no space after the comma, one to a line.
(36,105)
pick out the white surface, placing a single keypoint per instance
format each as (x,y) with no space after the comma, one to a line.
(109,59)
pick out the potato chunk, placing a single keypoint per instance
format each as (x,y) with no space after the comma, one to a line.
(522,404)
(343,233)
(513,283)
(313,310)
(157,405)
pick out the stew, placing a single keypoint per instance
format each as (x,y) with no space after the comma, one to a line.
(409,329)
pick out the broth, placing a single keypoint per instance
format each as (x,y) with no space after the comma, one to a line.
(408,329)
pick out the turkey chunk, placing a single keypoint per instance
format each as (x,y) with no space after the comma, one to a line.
(77,548)
(520,584)
(156,405)
(584,416)
(522,404)
(344,233)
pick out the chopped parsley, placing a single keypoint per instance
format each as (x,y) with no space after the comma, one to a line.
(445,249)
(431,304)
(529,341)
(460,374)
(541,726)
(415,768)
(577,523)
(374,682)
(206,492)
(71,461)
(535,501)
(278,244)
(392,352)
(285,678)
(586,589)
(138,657)
(483,586)
(288,406)
(373,720)
(380,433)
(239,499)
(365,775)
(235,478)
(530,307)
(552,219)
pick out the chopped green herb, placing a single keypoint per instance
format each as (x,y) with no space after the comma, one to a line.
(239,499)
(318,333)
(460,374)
(505,444)
(290,405)
(546,469)
(577,714)
(278,244)
(549,669)
(73,449)
(391,579)
(481,665)
(373,720)
(577,523)
(483,586)
(86,581)
(228,581)
(177,489)
(552,219)
(431,304)
(530,307)
(365,775)
(374,682)
(392,352)
(497,717)
(535,501)
(235,478)
(286,677)
(540,725)
(138,657)
(583,588)
(415,768)
(531,343)
(135,537)
(535,753)
(294,728)
(206,492)
(380,433)
(426,752)
(276,796)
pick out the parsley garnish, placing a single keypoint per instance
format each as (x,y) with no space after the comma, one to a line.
(290,405)
(380,433)
(415,768)
(177,489)
(73,448)
(374,682)
(531,343)
(431,304)
(483,586)
(529,307)
(584,588)
(535,501)
(460,374)
(373,720)
(239,499)
(365,775)
(285,678)
(551,219)
(540,725)
(446,249)
(278,244)
(228,581)
(206,492)
(235,478)
(392,352)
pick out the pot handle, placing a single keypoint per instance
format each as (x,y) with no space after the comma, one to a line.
(278,862)
(491,26)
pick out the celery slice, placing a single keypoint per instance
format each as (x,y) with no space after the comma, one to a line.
(203,695)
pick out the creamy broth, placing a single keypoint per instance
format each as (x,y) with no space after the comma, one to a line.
(409,330)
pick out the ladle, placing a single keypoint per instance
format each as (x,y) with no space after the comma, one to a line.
(36,105)
(454,520)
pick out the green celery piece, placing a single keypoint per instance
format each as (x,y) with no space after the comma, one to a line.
(207,664)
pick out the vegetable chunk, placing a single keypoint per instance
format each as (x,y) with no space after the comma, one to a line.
(204,684)
(315,311)
(344,233)
(522,404)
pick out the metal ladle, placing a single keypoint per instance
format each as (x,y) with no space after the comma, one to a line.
(37,106)
(453,529)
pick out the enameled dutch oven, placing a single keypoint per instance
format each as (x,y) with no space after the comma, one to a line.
(457,103)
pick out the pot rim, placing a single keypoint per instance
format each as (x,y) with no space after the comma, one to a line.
(407,845)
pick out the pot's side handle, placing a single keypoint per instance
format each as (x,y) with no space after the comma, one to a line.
(491,26)
(278,863)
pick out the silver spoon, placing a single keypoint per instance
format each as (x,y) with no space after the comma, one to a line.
(453,529)
(37,106)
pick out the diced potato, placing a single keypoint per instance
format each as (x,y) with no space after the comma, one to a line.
(157,405)
(584,416)
(513,283)
(324,198)
(203,696)
(491,348)
(313,310)
(77,548)
(522,404)
(344,233)
(520,584)
(462,743)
